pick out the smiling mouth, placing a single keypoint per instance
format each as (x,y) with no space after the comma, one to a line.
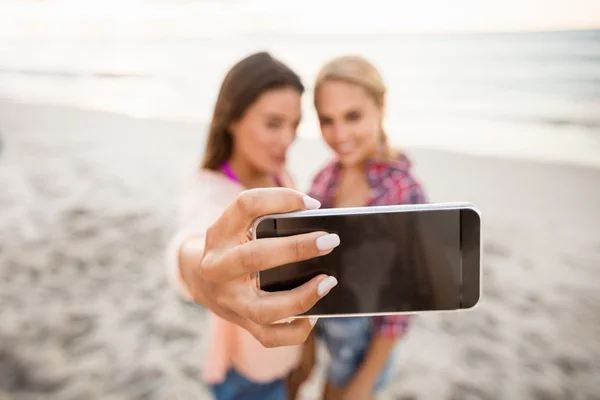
(345,149)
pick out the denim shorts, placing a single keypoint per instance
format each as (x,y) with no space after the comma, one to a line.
(348,340)
(238,387)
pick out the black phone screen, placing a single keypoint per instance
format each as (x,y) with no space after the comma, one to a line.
(386,262)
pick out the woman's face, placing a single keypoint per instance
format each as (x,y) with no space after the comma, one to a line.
(267,129)
(350,121)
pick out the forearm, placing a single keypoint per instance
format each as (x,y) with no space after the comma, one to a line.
(190,255)
(305,367)
(375,360)
(309,354)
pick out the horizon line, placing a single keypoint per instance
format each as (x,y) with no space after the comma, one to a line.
(296,33)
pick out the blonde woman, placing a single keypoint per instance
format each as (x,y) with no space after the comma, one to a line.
(349,98)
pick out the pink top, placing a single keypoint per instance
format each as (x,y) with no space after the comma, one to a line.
(229,345)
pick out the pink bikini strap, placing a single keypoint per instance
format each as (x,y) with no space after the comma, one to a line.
(226,168)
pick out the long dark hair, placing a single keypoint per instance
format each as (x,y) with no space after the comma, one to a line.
(243,85)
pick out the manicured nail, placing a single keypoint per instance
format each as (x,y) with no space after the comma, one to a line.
(328,242)
(311,204)
(312,320)
(326,285)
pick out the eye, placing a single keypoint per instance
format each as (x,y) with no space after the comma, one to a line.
(275,123)
(353,116)
(324,121)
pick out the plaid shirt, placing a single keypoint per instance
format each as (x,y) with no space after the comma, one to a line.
(390,183)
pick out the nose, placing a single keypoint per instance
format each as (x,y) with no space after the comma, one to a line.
(340,133)
(288,136)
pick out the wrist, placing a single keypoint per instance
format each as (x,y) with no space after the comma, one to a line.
(190,256)
(361,381)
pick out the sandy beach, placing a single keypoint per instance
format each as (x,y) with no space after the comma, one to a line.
(87,203)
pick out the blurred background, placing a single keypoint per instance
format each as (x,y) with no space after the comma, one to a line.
(103,113)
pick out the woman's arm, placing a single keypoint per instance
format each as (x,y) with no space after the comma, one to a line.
(190,254)
(304,370)
(198,208)
(362,384)
(388,330)
(215,270)
(185,248)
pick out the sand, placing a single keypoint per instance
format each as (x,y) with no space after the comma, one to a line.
(87,203)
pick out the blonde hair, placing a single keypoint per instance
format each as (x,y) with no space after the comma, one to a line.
(358,71)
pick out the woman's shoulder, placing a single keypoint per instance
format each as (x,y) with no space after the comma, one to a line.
(398,173)
(213,179)
(397,166)
(400,161)
(207,186)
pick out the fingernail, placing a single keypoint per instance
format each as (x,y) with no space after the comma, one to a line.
(326,285)
(312,320)
(310,203)
(328,242)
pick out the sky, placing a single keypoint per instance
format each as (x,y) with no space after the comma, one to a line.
(31,18)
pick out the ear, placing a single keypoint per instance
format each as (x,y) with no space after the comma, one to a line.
(232,128)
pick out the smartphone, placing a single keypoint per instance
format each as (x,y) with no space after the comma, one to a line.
(391,260)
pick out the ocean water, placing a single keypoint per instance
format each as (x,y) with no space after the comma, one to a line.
(525,95)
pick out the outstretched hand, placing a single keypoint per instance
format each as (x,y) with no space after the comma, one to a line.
(225,282)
